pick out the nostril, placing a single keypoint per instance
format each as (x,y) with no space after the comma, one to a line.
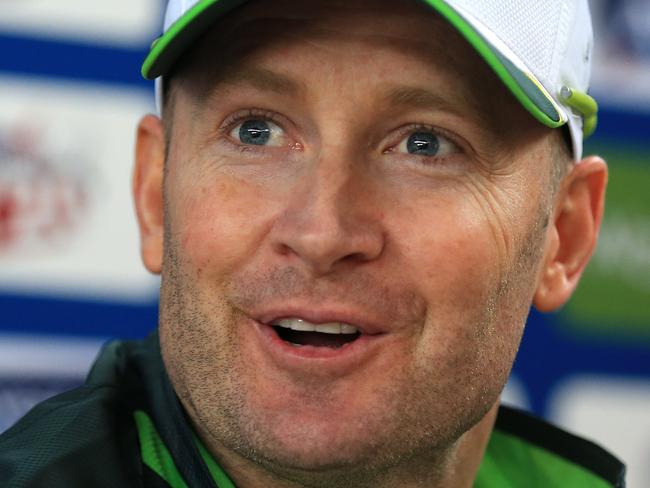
(355,257)
(283,249)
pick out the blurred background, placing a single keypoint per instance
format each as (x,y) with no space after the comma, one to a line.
(70,273)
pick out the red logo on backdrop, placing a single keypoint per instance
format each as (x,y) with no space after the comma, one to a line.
(43,192)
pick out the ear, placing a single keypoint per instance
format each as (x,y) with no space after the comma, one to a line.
(573,233)
(148,190)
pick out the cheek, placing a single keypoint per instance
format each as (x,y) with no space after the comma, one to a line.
(457,257)
(452,255)
(220,223)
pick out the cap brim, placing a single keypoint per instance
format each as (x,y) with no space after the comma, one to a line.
(166,50)
(526,88)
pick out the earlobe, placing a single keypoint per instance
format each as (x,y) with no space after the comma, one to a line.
(573,233)
(148,190)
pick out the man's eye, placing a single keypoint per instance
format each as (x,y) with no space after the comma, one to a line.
(427,143)
(258,132)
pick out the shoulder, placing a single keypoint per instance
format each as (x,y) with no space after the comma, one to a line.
(84,437)
(526,449)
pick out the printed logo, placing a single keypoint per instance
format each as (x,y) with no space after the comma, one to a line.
(44,190)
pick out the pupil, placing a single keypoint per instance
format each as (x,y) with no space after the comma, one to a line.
(423,143)
(255,132)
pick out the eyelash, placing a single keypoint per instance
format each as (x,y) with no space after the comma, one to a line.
(410,129)
(252,113)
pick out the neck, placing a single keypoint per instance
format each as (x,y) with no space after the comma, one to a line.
(455,467)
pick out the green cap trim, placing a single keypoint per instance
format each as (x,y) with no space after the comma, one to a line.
(523,86)
(170,46)
(585,105)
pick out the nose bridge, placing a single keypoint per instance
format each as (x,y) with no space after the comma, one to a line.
(330,218)
(331,180)
(334,204)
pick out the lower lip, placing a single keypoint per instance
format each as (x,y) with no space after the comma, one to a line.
(284,352)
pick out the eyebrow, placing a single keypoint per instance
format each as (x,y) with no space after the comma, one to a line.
(262,79)
(459,104)
(419,98)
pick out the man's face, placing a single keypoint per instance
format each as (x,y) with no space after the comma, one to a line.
(356,164)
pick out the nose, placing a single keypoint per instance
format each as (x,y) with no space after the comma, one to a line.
(330,219)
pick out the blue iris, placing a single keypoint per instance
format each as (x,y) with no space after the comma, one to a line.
(255,132)
(423,143)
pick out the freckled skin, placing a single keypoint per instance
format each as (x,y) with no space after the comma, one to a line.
(445,252)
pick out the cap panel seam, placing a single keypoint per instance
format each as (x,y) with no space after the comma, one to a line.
(560,40)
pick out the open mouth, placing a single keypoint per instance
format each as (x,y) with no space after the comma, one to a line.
(299,332)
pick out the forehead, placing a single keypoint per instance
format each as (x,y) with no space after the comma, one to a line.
(267,33)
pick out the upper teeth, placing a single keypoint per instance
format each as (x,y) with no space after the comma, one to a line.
(328,328)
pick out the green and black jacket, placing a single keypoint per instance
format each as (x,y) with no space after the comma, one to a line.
(125,428)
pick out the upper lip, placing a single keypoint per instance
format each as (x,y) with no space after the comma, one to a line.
(321,315)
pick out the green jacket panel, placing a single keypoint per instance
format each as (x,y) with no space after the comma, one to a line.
(125,428)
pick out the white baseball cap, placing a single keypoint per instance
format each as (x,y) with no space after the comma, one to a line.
(541,50)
